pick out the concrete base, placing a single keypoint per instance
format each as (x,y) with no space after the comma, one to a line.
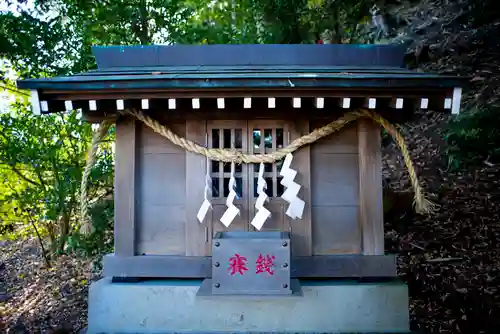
(172,306)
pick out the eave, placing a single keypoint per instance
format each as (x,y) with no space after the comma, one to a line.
(131,75)
(201,81)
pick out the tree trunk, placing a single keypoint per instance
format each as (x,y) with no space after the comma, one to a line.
(337,27)
(143,23)
(52,236)
(64,228)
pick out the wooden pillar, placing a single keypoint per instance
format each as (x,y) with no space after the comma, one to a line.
(371,215)
(302,229)
(125,178)
(196,234)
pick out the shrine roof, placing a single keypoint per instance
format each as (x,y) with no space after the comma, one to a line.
(246,66)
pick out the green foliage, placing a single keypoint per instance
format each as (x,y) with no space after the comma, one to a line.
(34,46)
(47,156)
(284,22)
(347,21)
(100,241)
(42,157)
(306,21)
(124,22)
(474,137)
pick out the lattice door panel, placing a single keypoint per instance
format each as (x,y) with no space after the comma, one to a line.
(267,136)
(228,135)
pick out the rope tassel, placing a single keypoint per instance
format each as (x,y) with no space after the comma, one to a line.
(296,207)
(97,137)
(205,206)
(262,213)
(421,203)
(232,211)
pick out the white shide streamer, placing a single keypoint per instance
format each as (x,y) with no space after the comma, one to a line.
(296,207)
(231,211)
(262,213)
(205,206)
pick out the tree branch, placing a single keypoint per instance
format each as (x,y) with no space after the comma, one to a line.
(22,176)
(42,182)
(40,240)
(14,90)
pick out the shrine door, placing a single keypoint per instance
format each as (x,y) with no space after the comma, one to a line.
(263,136)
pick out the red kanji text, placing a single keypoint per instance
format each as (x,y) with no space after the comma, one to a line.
(237,264)
(265,264)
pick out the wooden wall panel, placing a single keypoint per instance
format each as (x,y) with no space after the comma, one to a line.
(335,193)
(162,179)
(161,193)
(151,142)
(343,141)
(162,229)
(337,181)
(336,230)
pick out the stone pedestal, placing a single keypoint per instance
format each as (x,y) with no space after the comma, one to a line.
(173,306)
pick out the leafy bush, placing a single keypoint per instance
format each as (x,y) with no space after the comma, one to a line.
(474,137)
(100,241)
(41,164)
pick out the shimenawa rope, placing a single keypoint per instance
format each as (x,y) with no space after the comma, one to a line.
(422,205)
(97,137)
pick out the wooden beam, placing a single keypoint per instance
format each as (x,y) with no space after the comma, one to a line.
(125,176)
(35,102)
(403,92)
(319,102)
(156,266)
(256,112)
(344,266)
(196,234)
(456,100)
(98,117)
(397,103)
(371,217)
(331,266)
(302,227)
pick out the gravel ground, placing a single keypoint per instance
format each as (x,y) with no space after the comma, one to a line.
(37,299)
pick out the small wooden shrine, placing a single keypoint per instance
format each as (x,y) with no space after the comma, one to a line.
(211,201)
